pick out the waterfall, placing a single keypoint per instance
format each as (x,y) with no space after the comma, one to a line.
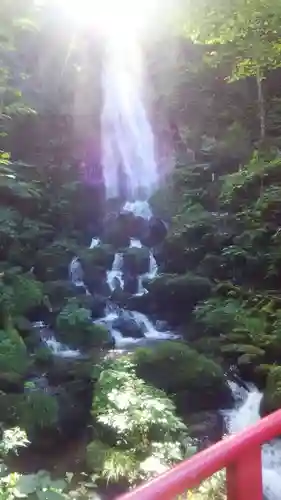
(115,276)
(246,413)
(128,159)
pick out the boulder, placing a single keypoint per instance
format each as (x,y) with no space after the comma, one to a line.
(136,261)
(130,283)
(117,230)
(127,325)
(178,293)
(206,426)
(156,232)
(197,381)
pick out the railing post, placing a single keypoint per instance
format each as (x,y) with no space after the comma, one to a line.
(244,477)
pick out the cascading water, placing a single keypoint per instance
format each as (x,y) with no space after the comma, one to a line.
(115,276)
(245,414)
(129,166)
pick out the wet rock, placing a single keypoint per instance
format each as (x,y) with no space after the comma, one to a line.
(96,281)
(127,325)
(140,303)
(130,283)
(136,261)
(156,232)
(206,426)
(117,230)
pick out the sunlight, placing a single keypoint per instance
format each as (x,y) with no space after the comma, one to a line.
(118,19)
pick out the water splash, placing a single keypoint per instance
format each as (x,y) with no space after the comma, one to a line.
(76,272)
(149,331)
(245,414)
(138,208)
(115,276)
(94,243)
(61,350)
(128,159)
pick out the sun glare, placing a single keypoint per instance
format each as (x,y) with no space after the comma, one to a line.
(112,18)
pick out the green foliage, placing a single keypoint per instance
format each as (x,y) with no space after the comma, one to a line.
(38,410)
(140,433)
(211,489)
(13,356)
(173,366)
(76,326)
(272,394)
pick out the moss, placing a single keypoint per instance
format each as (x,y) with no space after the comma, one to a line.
(101,256)
(272,395)
(76,327)
(38,410)
(136,260)
(173,366)
(13,356)
(179,292)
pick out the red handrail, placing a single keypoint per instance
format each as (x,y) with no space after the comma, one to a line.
(240,454)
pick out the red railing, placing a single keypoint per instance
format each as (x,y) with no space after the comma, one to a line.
(240,454)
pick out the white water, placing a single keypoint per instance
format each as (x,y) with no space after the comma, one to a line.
(138,208)
(115,276)
(76,272)
(57,348)
(245,414)
(128,158)
(95,243)
(61,350)
(147,327)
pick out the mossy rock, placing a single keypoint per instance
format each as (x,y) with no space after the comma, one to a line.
(76,329)
(179,293)
(58,292)
(102,256)
(52,262)
(136,261)
(271,400)
(178,369)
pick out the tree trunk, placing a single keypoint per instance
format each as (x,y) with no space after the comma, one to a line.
(261,105)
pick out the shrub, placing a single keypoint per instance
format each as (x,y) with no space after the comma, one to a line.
(38,410)
(13,356)
(140,433)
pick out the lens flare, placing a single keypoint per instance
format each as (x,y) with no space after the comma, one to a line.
(112,18)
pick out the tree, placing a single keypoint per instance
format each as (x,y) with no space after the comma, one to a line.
(248,30)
